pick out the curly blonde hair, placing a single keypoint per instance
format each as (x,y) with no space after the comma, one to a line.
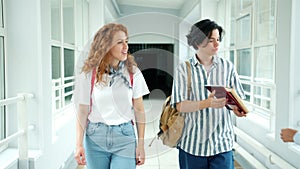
(98,55)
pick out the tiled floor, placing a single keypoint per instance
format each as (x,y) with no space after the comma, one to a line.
(158,156)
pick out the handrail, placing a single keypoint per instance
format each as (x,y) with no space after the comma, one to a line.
(22,133)
(18,98)
(11,100)
(11,137)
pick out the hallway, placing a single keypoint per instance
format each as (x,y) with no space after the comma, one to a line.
(38,61)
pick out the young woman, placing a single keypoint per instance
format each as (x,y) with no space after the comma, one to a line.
(109,102)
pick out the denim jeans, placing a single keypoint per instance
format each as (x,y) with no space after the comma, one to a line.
(219,161)
(110,146)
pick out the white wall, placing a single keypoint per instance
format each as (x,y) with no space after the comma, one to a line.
(96,16)
(26,54)
(185,51)
(295,59)
(29,70)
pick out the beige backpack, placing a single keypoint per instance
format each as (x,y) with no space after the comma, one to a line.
(171,121)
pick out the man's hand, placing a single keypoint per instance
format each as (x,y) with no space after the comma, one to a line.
(287,134)
(216,103)
(237,112)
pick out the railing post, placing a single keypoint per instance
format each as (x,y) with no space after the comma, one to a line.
(23,126)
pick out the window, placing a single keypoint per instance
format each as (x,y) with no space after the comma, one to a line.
(63,52)
(252,50)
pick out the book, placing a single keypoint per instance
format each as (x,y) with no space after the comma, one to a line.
(232,97)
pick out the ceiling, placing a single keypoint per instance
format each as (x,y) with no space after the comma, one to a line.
(169,4)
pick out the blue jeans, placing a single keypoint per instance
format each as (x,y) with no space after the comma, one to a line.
(110,146)
(219,161)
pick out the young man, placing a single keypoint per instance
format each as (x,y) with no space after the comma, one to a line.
(207,138)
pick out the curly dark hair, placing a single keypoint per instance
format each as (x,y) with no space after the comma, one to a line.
(201,31)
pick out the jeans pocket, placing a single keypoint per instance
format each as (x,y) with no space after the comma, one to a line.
(90,130)
(127,130)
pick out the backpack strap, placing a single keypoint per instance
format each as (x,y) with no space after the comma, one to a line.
(131,83)
(188,65)
(131,79)
(92,87)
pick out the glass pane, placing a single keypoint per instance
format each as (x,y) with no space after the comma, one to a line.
(244,62)
(265,20)
(69,81)
(68,96)
(233,9)
(257,101)
(266,104)
(247,89)
(57,104)
(68,21)
(2,123)
(262,96)
(68,99)
(56,66)
(266,92)
(257,90)
(244,29)
(265,61)
(68,89)
(2,66)
(69,62)
(232,33)
(244,4)
(1,14)
(57,93)
(55,20)
(232,56)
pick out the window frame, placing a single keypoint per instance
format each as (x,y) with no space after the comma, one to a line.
(266,114)
(58,101)
(4,80)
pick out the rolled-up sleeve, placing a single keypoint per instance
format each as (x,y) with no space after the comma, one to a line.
(297,138)
(179,87)
(140,87)
(83,88)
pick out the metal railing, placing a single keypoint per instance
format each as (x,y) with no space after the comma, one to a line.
(22,134)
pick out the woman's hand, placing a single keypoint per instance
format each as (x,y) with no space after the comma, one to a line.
(80,156)
(140,154)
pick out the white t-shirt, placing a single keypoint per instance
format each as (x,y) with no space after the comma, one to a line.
(111,105)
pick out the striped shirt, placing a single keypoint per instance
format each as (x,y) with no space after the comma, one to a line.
(209,131)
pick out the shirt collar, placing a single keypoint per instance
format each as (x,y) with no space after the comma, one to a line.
(195,61)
